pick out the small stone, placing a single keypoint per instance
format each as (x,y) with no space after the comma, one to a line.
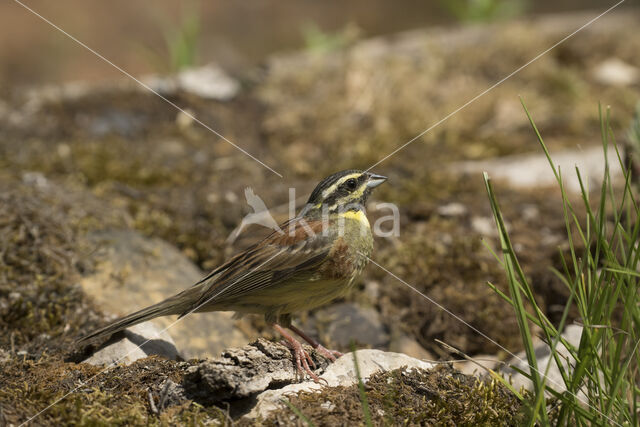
(349,322)
(530,212)
(409,346)
(5,356)
(185,119)
(37,179)
(484,225)
(328,406)
(452,209)
(209,82)
(615,72)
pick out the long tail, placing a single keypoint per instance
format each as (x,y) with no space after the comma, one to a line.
(177,304)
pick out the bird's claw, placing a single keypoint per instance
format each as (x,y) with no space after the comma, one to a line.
(302,360)
(329,354)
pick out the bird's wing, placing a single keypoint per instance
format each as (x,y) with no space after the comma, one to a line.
(268,263)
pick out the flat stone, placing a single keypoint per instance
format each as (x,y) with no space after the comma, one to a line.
(137,342)
(534,171)
(132,271)
(615,72)
(349,322)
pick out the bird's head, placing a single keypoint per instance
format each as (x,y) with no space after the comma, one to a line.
(343,191)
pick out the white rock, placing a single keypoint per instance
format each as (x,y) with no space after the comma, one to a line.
(534,171)
(340,373)
(139,341)
(616,72)
(571,334)
(452,209)
(209,82)
(484,225)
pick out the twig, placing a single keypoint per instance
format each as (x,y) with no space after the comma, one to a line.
(152,404)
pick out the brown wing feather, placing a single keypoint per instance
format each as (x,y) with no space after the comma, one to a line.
(273,260)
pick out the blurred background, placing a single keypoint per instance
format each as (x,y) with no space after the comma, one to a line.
(144,37)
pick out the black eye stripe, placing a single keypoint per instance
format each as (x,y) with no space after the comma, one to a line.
(351,184)
(319,194)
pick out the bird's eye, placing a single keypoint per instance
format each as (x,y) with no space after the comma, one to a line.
(351,184)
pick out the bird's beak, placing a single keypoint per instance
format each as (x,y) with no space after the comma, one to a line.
(375,180)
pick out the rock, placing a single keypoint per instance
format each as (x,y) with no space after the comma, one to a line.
(347,322)
(401,343)
(244,372)
(481,363)
(113,122)
(452,209)
(572,334)
(209,82)
(615,72)
(484,225)
(131,272)
(137,342)
(254,378)
(340,373)
(170,394)
(534,171)
(5,356)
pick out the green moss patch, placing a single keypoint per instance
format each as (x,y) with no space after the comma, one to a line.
(441,396)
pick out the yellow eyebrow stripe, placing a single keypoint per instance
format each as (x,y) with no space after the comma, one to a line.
(331,189)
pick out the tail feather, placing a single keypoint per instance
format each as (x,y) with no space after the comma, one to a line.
(176,304)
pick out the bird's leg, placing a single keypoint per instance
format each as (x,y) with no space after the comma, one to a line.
(300,356)
(329,354)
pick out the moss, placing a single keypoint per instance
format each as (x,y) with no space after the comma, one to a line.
(84,395)
(441,396)
(41,307)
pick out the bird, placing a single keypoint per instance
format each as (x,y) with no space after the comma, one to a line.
(321,253)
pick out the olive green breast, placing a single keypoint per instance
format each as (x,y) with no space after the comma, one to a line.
(351,245)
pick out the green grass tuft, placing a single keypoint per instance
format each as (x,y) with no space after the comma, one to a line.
(602,384)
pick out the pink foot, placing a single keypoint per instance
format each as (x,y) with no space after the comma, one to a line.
(329,354)
(301,358)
